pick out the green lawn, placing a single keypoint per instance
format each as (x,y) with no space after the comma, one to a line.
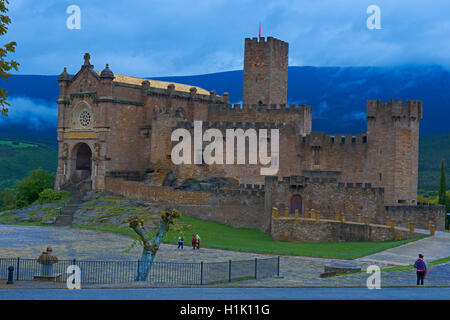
(220,236)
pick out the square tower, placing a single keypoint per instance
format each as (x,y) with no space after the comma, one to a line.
(265,71)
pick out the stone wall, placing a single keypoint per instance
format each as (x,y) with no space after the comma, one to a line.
(420,215)
(311,230)
(243,207)
(322,191)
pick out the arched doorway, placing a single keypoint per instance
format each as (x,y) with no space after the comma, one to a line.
(81,162)
(296,203)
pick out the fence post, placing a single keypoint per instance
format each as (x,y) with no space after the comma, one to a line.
(278,267)
(256,268)
(201,273)
(17,269)
(229,270)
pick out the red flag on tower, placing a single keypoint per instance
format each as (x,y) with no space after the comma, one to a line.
(259,35)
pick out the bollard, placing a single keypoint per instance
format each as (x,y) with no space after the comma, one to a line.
(317,217)
(307,214)
(10,275)
(275,212)
(411,226)
(359,217)
(432,230)
(286,212)
(296,213)
(336,216)
(343,218)
(366,220)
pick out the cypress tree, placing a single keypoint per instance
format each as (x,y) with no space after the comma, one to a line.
(443,195)
(442,188)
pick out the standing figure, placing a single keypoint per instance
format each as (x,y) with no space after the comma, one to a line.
(180,242)
(421,269)
(197,241)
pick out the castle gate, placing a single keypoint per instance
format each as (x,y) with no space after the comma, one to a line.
(81,163)
(296,204)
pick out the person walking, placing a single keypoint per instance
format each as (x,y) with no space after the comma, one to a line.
(197,241)
(421,269)
(193,241)
(180,242)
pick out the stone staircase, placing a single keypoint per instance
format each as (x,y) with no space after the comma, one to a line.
(66,216)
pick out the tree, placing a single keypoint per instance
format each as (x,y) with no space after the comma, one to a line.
(150,244)
(442,197)
(5,66)
(28,188)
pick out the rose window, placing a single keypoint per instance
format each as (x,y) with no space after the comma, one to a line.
(85,118)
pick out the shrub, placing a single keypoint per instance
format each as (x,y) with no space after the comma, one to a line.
(29,188)
(20,203)
(48,195)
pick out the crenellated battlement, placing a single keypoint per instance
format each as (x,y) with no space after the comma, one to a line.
(319,139)
(233,125)
(271,108)
(394,108)
(252,190)
(268,40)
(367,187)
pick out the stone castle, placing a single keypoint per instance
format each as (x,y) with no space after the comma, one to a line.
(114,133)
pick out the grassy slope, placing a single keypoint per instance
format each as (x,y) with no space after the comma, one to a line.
(216,235)
(18,159)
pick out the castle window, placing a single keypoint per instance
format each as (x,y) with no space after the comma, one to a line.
(364,139)
(85,118)
(332,139)
(343,139)
(380,176)
(82,117)
(303,139)
(353,139)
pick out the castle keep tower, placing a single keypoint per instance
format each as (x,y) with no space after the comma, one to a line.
(265,71)
(393,140)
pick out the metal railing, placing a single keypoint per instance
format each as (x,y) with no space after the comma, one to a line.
(179,273)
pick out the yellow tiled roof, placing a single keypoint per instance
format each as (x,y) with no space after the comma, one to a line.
(155,83)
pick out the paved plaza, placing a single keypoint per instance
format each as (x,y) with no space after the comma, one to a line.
(295,271)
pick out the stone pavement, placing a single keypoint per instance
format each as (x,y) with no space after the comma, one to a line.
(67,243)
(432,248)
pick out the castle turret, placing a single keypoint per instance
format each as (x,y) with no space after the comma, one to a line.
(265,71)
(393,148)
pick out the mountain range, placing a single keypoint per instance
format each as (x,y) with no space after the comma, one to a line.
(337,94)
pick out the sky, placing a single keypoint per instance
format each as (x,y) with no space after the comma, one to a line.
(150,38)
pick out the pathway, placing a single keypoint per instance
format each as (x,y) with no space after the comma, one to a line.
(432,248)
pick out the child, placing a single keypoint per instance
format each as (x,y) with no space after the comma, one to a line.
(180,242)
